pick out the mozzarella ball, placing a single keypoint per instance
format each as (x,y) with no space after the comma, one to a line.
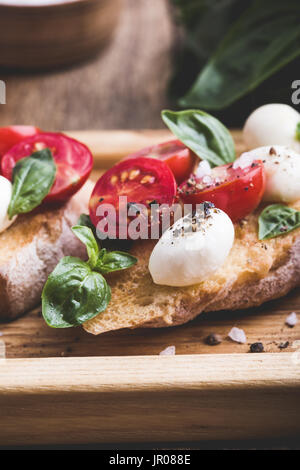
(272,124)
(282,167)
(5,197)
(192,249)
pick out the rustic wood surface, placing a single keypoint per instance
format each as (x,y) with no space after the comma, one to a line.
(30,337)
(125,87)
(208,396)
(127,392)
(74,400)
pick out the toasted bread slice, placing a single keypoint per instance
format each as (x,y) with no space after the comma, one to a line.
(254,273)
(31,248)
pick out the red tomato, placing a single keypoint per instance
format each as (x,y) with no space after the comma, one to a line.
(236,191)
(10,136)
(143,180)
(175,154)
(73,160)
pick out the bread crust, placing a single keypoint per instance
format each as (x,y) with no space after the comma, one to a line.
(275,285)
(32,247)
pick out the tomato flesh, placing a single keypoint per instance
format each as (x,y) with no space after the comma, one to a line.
(236,191)
(12,135)
(73,160)
(142,180)
(175,154)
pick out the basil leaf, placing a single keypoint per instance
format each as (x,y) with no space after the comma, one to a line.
(262,41)
(86,236)
(277,220)
(73,294)
(114,261)
(298,131)
(85,221)
(76,291)
(102,261)
(33,178)
(203,134)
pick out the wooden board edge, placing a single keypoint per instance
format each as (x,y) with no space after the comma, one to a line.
(109,146)
(127,372)
(149,398)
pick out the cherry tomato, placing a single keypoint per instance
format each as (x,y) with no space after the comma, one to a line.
(236,191)
(175,154)
(10,136)
(73,160)
(142,180)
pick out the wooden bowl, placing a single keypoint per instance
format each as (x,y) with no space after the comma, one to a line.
(47,33)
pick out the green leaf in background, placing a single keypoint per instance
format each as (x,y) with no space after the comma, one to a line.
(298,132)
(277,220)
(73,294)
(114,261)
(262,41)
(203,134)
(33,178)
(86,236)
(199,15)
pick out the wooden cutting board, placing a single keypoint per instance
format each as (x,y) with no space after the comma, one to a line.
(53,392)
(30,337)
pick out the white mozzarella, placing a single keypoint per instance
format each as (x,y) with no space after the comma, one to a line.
(5,197)
(282,166)
(189,252)
(272,124)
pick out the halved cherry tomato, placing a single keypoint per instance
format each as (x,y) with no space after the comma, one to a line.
(73,160)
(236,191)
(175,154)
(12,135)
(142,180)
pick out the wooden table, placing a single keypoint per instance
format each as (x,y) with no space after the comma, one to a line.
(124,87)
(222,392)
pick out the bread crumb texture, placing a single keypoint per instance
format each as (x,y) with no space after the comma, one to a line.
(31,248)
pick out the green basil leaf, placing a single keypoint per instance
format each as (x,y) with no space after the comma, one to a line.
(203,134)
(298,131)
(262,41)
(276,220)
(86,236)
(85,220)
(73,294)
(114,261)
(33,178)
(197,16)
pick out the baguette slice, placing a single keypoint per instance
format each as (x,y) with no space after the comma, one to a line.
(254,273)
(31,248)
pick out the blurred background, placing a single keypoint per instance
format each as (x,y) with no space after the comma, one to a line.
(110,64)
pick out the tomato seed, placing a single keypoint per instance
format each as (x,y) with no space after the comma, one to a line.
(147,179)
(114,179)
(124,176)
(133,174)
